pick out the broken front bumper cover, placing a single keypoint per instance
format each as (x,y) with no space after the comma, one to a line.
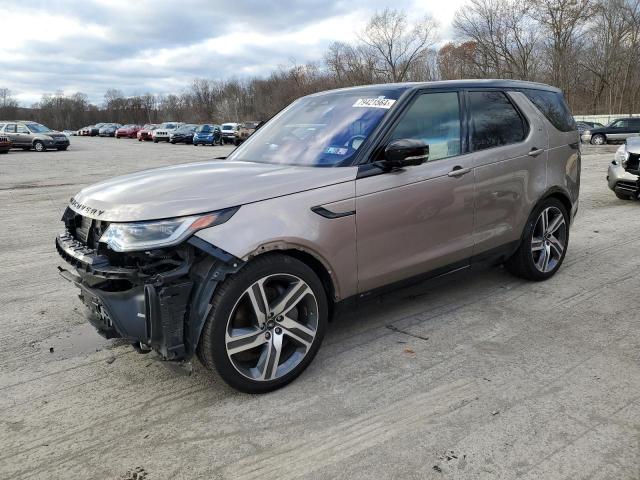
(164,311)
(622,181)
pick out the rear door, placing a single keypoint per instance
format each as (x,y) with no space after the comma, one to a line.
(509,145)
(419,218)
(11,132)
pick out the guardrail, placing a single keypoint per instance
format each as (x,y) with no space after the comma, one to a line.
(604,119)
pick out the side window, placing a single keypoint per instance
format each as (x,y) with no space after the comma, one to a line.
(433,118)
(635,123)
(10,128)
(23,129)
(494,121)
(553,107)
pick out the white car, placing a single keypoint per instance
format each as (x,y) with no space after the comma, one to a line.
(228,131)
(163,132)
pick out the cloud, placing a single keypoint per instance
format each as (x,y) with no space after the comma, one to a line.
(160,46)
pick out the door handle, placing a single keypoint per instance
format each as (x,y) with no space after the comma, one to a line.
(458,171)
(534,152)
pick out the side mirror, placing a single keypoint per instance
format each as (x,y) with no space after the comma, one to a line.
(405,152)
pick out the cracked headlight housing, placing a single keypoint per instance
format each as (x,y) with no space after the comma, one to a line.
(138,236)
(621,157)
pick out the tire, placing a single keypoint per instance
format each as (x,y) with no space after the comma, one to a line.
(598,139)
(4,152)
(155,141)
(231,308)
(39,146)
(529,263)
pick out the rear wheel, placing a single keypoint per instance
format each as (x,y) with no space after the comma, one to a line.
(266,324)
(598,139)
(544,243)
(39,146)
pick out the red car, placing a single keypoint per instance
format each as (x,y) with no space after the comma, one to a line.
(128,131)
(5,144)
(146,131)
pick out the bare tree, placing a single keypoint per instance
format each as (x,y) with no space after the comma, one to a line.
(397,45)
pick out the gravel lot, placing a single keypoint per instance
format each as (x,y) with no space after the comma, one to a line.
(478,376)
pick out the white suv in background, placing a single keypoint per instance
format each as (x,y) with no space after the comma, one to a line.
(164,131)
(228,131)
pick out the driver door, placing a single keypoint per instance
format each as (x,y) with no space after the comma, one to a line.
(420,218)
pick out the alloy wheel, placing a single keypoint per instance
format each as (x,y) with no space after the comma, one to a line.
(272,327)
(598,140)
(549,239)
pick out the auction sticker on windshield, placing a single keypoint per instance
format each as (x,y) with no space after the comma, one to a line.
(374,102)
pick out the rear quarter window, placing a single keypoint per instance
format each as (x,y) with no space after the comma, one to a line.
(553,106)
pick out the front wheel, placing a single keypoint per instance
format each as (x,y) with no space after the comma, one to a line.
(39,146)
(266,324)
(598,139)
(544,242)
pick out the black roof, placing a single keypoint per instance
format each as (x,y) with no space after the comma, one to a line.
(470,83)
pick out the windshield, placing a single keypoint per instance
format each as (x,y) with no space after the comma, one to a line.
(37,128)
(227,127)
(204,129)
(319,131)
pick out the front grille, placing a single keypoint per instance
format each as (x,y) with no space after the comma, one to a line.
(633,163)
(84,229)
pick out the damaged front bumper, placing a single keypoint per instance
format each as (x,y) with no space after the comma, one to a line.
(622,181)
(160,303)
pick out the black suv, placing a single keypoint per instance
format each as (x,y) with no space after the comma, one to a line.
(617,131)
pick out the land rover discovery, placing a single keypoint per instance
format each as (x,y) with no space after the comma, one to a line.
(243,261)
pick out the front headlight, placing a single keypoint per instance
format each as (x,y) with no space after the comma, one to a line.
(136,236)
(621,157)
(587,132)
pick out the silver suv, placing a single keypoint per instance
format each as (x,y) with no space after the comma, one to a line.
(344,193)
(28,135)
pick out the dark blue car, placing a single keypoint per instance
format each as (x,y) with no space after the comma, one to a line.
(207,134)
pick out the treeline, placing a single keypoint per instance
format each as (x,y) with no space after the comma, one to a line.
(588,48)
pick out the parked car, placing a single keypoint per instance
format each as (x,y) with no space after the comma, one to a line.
(228,132)
(242,262)
(128,131)
(28,135)
(618,130)
(207,134)
(624,172)
(164,130)
(109,130)
(94,130)
(245,130)
(69,133)
(183,134)
(146,132)
(5,143)
(583,126)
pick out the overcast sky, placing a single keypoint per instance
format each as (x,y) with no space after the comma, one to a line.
(159,46)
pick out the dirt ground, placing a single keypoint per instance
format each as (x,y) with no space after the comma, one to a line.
(478,376)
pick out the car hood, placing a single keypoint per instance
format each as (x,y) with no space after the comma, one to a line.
(193,188)
(633,145)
